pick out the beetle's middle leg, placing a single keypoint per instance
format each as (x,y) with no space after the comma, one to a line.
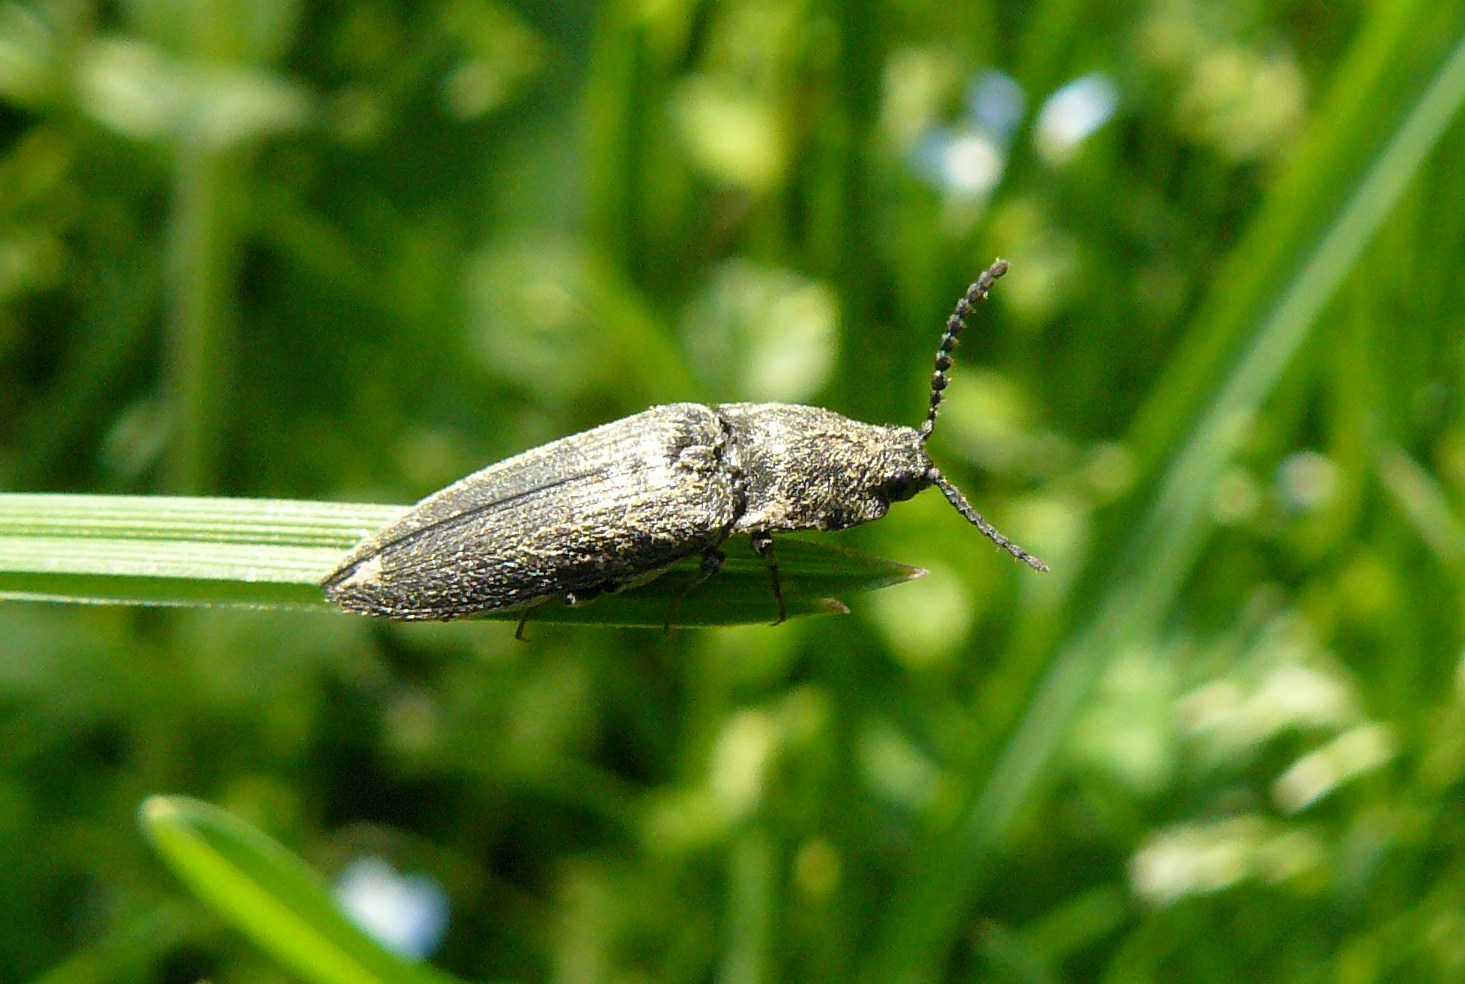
(712,561)
(763,547)
(519,635)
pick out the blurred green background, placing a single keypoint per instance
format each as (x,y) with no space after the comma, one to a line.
(355,250)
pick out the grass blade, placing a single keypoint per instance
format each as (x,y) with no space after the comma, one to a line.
(1318,231)
(157,550)
(272,896)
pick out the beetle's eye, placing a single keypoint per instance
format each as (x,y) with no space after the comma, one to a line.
(902,488)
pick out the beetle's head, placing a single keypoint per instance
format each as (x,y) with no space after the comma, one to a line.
(904,469)
(830,473)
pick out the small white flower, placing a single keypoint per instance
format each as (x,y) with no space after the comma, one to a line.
(406,913)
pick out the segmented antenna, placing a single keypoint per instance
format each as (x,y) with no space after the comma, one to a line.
(954,496)
(954,325)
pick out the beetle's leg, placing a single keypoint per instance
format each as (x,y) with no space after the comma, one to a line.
(519,635)
(712,560)
(763,547)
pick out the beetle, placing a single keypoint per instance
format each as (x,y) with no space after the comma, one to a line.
(613,507)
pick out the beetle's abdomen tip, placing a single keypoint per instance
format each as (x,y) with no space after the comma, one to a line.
(351,586)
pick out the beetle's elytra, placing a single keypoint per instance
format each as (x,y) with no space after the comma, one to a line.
(614,506)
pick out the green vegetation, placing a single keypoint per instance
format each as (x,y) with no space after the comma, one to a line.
(344,253)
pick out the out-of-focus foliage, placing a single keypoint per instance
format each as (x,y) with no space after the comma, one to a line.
(355,250)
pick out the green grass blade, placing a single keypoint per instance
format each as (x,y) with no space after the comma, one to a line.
(163,550)
(271,896)
(1317,233)
(1177,522)
(156,550)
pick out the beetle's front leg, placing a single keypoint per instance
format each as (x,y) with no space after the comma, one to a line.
(763,547)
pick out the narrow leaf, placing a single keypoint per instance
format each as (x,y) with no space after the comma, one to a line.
(270,895)
(157,550)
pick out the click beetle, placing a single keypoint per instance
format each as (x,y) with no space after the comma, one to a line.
(614,506)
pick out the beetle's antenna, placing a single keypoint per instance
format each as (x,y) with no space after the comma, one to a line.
(954,325)
(954,496)
(949,339)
